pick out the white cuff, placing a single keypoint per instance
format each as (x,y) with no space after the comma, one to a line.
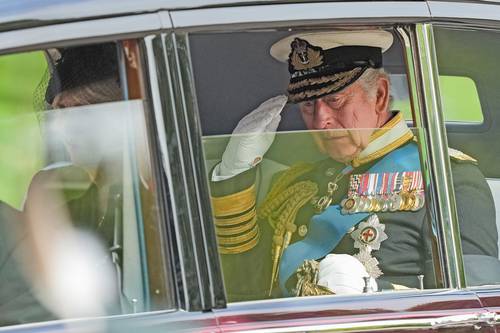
(217,177)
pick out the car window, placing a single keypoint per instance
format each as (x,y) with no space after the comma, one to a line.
(466,59)
(79,228)
(460,100)
(299,207)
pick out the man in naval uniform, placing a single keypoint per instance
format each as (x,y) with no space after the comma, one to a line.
(354,221)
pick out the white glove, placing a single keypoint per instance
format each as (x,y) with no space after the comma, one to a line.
(248,143)
(343,274)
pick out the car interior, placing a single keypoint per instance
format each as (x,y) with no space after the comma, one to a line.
(248,75)
(471,54)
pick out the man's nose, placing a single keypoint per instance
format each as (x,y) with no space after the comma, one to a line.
(323,115)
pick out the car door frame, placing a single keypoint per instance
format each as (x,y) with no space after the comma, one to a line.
(180,274)
(484,16)
(438,308)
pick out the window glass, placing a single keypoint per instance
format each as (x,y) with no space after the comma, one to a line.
(468,71)
(315,179)
(79,218)
(401,100)
(19,125)
(460,99)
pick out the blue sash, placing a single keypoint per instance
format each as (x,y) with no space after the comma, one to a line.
(327,229)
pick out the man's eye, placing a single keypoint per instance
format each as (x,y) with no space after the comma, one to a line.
(307,107)
(335,100)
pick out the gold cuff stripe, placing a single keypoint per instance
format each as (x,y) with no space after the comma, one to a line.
(234,203)
(231,221)
(237,230)
(390,124)
(379,153)
(240,248)
(239,239)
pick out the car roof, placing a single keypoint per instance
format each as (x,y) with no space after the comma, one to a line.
(20,14)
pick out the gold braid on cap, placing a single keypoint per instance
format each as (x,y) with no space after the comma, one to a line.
(335,86)
(323,79)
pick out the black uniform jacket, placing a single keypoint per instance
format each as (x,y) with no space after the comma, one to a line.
(407,253)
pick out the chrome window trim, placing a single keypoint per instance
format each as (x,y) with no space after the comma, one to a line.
(476,320)
(182,144)
(171,153)
(391,310)
(438,156)
(215,294)
(23,14)
(75,33)
(293,14)
(466,12)
(197,287)
(173,46)
(160,169)
(414,76)
(152,321)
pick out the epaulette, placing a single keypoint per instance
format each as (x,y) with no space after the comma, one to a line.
(461,157)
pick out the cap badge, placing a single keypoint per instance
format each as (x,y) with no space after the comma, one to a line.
(304,55)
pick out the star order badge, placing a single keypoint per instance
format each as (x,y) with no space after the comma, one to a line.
(367,237)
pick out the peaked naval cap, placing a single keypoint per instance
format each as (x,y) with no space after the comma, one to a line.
(325,63)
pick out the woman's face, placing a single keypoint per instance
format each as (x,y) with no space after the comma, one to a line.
(90,133)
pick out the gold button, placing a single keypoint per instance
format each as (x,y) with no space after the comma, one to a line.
(302,230)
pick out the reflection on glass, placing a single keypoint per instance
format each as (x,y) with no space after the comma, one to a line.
(77,247)
(302,221)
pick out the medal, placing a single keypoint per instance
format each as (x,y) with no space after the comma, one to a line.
(365,203)
(325,201)
(367,237)
(385,203)
(404,201)
(419,201)
(369,233)
(382,192)
(349,205)
(394,202)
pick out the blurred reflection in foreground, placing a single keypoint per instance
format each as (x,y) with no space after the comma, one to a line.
(70,270)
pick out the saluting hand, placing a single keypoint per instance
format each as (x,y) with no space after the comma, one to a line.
(251,139)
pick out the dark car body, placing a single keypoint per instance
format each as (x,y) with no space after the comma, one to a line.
(194,298)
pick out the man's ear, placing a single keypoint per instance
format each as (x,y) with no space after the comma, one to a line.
(382,101)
